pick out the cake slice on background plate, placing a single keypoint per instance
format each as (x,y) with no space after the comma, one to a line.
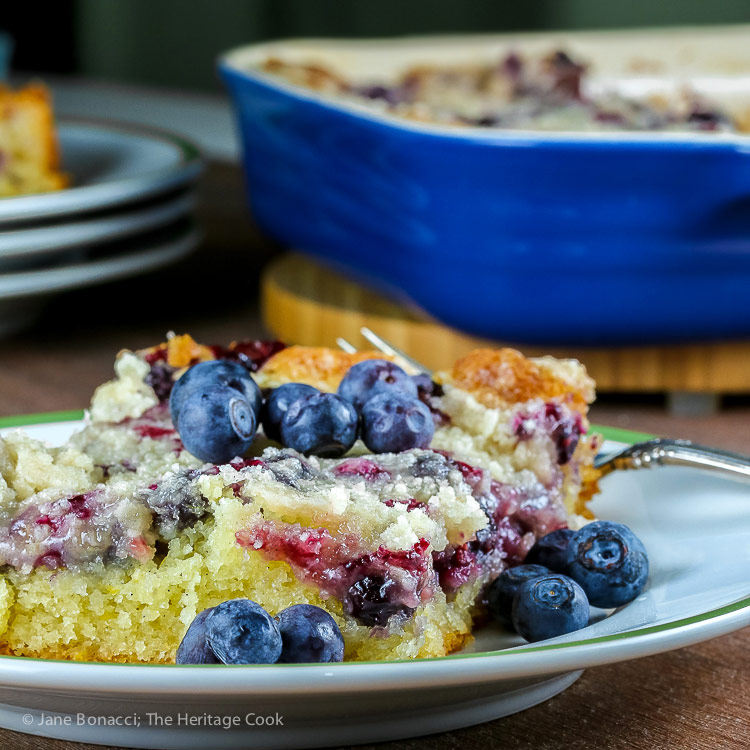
(29,151)
(113,542)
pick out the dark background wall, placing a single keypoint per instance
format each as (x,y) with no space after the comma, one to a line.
(175,42)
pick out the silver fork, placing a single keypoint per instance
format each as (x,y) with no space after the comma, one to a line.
(384,346)
(656,452)
(667,452)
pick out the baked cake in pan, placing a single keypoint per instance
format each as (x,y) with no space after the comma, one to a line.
(516,92)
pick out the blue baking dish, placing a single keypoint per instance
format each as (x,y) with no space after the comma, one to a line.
(536,238)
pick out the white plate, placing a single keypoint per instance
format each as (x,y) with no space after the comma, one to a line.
(142,258)
(110,164)
(24,294)
(695,526)
(32,242)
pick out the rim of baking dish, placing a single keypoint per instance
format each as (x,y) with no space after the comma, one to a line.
(242,62)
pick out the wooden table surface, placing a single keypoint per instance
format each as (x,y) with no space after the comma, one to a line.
(691,698)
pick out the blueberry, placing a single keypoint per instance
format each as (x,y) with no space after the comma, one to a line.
(373,600)
(372,377)
(322,424)
(309,634)
(609,562)
(549,606)
(194,649)
(216,424)
(503,589)
(277,404)
(552,550)
(426,386)
(239,631)
(394,422)
(215,372)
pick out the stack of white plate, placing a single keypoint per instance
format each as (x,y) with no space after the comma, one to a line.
(128,211)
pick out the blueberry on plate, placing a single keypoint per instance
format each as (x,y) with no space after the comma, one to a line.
(215,372)
(193,648)
(549,606)
(395,422)
(551,550)
(322,424)
(309,634)
(504,588)
(609,562)
(277,404)
(240,631)
(216,424)
(372,377)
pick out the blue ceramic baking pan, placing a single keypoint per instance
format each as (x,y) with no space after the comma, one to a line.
(536,238)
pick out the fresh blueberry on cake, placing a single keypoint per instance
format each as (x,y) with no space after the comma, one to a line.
(394,422)
(217,372)
(277,404)
(113,543)
(320,424)
(375,377)
(216,424)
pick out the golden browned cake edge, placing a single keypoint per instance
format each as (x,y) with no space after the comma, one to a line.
(497,378)
(34,103)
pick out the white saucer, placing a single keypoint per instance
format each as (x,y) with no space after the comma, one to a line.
(695,527)
(18,245)
(111,164)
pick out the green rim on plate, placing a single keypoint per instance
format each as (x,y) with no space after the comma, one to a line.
(49,417)
(21,420)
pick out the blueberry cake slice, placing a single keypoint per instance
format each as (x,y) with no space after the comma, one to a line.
(113,542)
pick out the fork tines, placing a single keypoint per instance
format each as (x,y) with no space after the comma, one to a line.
(384,346)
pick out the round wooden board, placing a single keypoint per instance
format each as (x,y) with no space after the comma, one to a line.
(305,302)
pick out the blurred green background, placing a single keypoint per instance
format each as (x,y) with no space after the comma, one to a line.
(174,43)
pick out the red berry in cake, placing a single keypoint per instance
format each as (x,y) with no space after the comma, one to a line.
(309,634)
(240,631)
(216,424)
(217,372)
(322,424)
(395,422)
(250,353)
(361,467)
(372,377)
(194,648)
(278,402)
